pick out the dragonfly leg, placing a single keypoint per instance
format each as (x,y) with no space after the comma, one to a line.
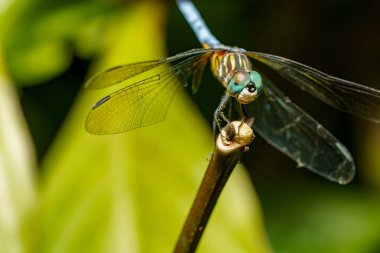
(229,111)
(245,118)
(244,112)
(219,114)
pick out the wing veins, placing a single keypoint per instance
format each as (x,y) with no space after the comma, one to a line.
(291,130)
(142,96)
(122,73)
(347,96)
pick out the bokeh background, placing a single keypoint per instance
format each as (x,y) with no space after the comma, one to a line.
(63,190)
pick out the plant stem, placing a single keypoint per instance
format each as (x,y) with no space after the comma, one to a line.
(230,145)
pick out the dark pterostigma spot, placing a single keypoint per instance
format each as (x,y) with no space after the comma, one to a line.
(101,101)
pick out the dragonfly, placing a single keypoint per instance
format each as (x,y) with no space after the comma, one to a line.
(246,77)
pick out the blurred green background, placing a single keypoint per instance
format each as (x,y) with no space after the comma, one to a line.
(63,190)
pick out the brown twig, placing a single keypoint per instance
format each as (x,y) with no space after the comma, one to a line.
(230,145)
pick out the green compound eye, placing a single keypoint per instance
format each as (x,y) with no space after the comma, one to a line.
(237,83)
(252,89)
(257,80)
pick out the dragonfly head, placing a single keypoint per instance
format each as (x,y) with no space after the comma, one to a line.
(245,85)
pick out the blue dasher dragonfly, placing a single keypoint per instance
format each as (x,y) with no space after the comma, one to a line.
(246,77)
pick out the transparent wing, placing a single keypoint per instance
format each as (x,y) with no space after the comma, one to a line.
(142,103)
(121,73)
(197,75)
(344,95)
(291,130)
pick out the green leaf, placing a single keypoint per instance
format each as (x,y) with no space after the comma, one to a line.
(324,218)
(17,181)
(41,38)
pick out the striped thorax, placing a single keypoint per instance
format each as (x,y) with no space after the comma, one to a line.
(224,64)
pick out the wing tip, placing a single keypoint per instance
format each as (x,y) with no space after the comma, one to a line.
(95,82)
(346,179)
(92,83)
(342,176)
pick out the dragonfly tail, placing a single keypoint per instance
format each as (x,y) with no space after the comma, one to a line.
(199,27)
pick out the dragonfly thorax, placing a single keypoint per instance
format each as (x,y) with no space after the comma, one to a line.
(234,71)
(224,64)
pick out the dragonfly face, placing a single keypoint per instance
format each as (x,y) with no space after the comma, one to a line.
(234,71)
(245,86)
